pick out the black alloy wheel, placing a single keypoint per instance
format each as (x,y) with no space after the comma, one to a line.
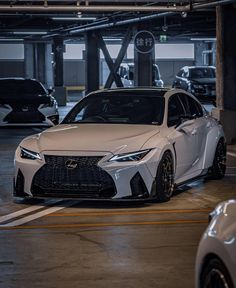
(215,275)
(165,178)
(217,171)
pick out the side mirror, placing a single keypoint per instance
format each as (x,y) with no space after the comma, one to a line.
(183,125)
(51,91)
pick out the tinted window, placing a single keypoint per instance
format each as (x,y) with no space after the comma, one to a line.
(202,72)
(180,73)
(12,87)
(175,110)
(191,107)
(115,108)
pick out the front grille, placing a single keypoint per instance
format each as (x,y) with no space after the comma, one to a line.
(24,114)
(73,176)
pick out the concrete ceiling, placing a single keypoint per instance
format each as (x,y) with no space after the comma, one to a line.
(69,19)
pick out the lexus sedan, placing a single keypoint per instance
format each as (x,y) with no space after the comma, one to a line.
(26,102)
(216,257)
(126,143)
(198,80)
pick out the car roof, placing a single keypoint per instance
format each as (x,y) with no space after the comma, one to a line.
(17,79)
(130,90)
(200,66)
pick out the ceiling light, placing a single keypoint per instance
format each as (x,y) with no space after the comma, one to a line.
(30,33)
(74,18)
(203,39)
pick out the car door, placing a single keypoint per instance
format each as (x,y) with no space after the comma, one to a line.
(202,123)
(183,141)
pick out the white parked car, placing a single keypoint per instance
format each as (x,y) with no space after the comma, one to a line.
(128,143)
(26,102)
(216,256)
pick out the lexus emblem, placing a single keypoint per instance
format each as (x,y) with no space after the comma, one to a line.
(71,164)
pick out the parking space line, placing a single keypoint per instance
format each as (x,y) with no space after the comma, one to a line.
(96,225)
(231,154)
(40,214)
(177,211)
(20,213)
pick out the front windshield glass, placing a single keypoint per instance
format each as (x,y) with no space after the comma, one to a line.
(202,73)
(125,109)
(12,87)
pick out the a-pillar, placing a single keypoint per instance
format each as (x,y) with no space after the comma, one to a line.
(60,90)
(92,58)
(226,72)
(38,62)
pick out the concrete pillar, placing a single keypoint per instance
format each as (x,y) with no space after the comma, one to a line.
(143,66)
(226,72)
(92,62)
(199,48)
(38,62)
(60,91)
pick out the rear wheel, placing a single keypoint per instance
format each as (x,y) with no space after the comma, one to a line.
(217,171)
(165,178)
(215,275)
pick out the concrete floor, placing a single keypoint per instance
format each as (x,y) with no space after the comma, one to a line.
(85,244)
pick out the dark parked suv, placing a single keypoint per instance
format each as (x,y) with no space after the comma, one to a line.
(199,80)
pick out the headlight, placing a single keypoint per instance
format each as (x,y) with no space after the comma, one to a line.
(27,154)
(133,156)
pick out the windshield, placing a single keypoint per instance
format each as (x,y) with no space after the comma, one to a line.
(21,87)
(125,109)
(202,73)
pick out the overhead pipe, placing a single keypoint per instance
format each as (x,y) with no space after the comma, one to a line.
(94,8)
(121,22)
(197,6)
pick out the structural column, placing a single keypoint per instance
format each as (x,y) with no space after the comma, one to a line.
(143,58)
(226,72)
(92,62)
(60,90)
(38,62)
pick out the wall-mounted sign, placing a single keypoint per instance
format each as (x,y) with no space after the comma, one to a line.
(144,41)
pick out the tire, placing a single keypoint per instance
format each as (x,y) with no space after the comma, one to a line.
(217,171)
(165,178)
(215,275)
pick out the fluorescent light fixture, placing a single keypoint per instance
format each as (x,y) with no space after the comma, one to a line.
(30,33)
(112,39)
(74,18)
(203,39)
(11,39)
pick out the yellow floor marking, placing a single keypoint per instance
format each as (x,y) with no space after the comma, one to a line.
(178,211)
(88,225)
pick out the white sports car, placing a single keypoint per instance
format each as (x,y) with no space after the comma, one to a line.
(216,257)
(130,143)
(26,102)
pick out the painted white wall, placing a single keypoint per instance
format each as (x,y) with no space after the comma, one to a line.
(12,51)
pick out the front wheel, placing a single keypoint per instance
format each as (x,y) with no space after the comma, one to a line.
(215,275)
(217,171)
(165,178)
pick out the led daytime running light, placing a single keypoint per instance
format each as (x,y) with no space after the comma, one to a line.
(27,154)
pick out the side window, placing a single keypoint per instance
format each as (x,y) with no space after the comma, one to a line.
(191,107)
(180,73)
(175,110)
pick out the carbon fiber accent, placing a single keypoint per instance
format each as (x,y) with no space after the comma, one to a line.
(73,176)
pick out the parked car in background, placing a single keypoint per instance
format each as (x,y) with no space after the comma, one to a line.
(126,143)
(216,256)
(26,102)
(126,72)
(198,80)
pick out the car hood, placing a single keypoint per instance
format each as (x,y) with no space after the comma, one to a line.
(114,138)
(203,80)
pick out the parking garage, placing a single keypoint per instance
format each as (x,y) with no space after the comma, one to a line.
(77,47)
